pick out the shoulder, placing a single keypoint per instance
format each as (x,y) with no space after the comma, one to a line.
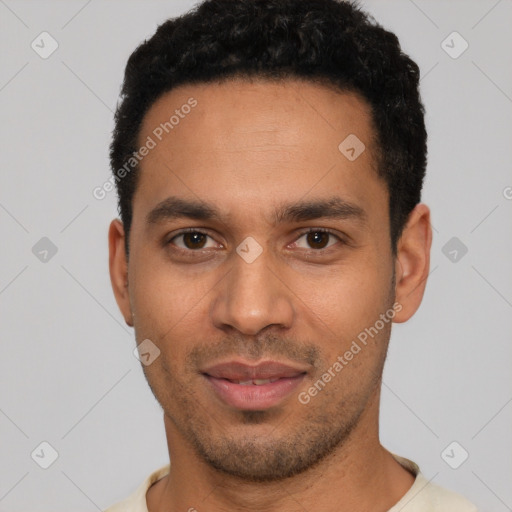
(136,502)
(430,497)
(426,496)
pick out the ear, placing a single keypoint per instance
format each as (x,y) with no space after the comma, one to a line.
(412,263)
(118,267)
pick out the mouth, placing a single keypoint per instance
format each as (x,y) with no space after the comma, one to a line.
(254,382)
(253,388)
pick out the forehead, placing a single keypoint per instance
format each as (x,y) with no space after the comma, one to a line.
(264,110)
(256,140)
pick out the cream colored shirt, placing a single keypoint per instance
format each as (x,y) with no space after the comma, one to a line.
(423,496)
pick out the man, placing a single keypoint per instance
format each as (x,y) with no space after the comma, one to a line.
(269,158)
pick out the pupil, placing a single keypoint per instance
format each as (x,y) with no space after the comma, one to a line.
(194,240)
(318,239)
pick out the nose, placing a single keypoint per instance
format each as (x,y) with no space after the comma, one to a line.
(252,298)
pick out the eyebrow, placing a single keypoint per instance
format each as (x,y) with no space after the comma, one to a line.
(175,208)
(332,208)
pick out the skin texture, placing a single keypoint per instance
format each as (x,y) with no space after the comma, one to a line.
(247,149)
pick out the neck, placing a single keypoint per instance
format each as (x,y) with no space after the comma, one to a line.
(359,475)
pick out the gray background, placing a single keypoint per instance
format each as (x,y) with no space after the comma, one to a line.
(67,372)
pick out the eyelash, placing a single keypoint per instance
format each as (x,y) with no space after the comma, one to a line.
(319,230)
(301,234)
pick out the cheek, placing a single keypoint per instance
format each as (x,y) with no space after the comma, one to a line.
(165,301)
(168,310)
(346,299)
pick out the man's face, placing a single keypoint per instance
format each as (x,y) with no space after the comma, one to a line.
(262,158)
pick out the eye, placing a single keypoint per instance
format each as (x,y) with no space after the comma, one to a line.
(193,240)
(316,239)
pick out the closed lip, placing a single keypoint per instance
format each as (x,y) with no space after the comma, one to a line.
(241,371)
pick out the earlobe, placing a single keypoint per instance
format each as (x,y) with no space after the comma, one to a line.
(118,267)
(413,262)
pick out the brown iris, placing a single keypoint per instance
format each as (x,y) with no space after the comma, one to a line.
(194,240)
(317,239)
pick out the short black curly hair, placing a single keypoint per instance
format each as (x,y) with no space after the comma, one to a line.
(330,41)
